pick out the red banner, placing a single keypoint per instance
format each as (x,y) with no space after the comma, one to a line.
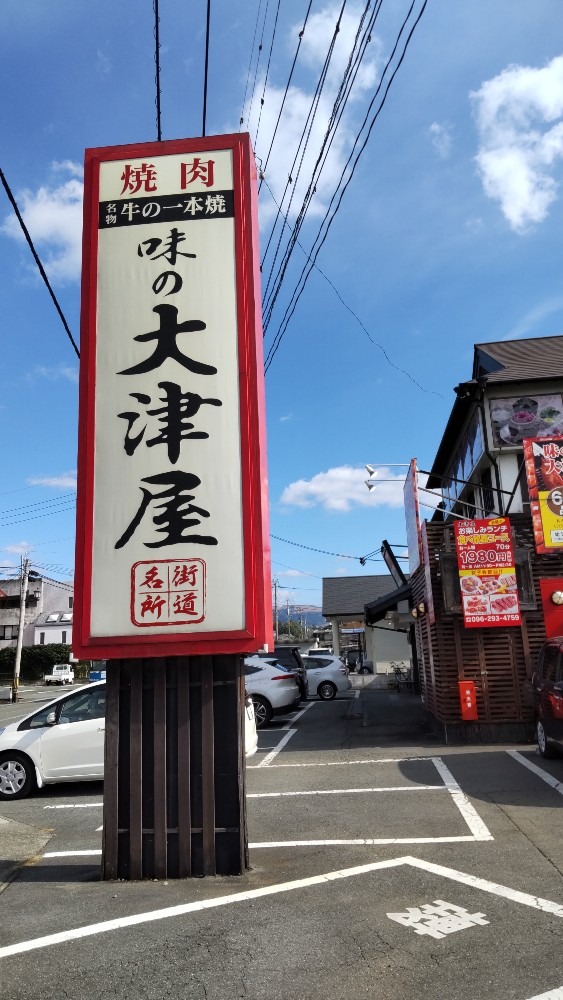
(487,574)
(544,472)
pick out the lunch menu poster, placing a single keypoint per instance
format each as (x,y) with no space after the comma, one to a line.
(487,575)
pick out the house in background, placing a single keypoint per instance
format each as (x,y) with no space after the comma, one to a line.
(51,627)
(344,605)
(44,598)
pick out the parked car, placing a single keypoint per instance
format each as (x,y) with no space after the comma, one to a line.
(291,657)
(272,687)
(64,741)
(547,684)
(327,676)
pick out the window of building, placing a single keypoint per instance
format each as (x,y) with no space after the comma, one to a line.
(41,638)
(71,602)
(487,492)
(53,618)
(63,637)
(66,617)
(8,631)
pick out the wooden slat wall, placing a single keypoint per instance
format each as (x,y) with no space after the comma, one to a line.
(174,802)
(498,660)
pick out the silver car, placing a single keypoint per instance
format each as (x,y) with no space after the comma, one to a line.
(272,687)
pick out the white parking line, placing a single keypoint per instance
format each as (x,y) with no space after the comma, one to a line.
(78,805)
(273,753)
(469,813)
(513,895)
(552,995)
(349,791)
(548,778)
(364,841)
(350,763)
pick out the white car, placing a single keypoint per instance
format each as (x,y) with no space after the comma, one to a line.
(64,741)
(327,676)
(272,687)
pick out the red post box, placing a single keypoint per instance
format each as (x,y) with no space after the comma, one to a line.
(468,701)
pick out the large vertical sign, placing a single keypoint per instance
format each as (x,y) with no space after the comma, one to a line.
(544,472)
(172,531)
(487,574)
(412,516)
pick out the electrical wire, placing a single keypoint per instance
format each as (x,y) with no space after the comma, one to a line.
(20,520)
(260,47)
(323,552)
(157,68)
(64,498)
(208,20)
(354,314)
(361,41)
(25,231)
(302,281)
(289,79)
(241,121)
(302,147)
(263,98)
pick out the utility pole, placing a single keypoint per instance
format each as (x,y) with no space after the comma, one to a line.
(23,594)
(276,621)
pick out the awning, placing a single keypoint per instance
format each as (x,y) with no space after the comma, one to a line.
(377,610)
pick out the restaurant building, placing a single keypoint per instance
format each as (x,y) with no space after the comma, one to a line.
(487,569)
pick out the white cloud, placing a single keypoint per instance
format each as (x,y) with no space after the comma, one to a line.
(293,572)
(531,319)
(53,216)
(344,488)
(66,481)
(288,416)
(441,139)
(297,106)
(19,548)
(518,115)
(103,64)
(58,372)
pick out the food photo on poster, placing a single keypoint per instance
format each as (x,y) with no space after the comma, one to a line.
(516,418)
(487,575)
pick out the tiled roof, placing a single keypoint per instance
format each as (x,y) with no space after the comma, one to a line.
(348,595)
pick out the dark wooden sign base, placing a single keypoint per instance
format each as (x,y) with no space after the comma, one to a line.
(174,798)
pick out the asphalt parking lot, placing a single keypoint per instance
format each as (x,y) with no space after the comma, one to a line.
(383,864)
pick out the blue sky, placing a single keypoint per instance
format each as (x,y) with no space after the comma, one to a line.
(448,235)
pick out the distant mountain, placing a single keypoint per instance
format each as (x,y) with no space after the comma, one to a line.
(310,614)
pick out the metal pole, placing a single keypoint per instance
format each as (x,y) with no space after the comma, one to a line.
(276,620)
(17,662)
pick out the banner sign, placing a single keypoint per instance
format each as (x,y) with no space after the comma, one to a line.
(172,527)
(412,516)
(487,574)
(428,593)
(544,472)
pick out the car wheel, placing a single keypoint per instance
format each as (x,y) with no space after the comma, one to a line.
(326,690)
(544,746)
(16,776)
(262,711)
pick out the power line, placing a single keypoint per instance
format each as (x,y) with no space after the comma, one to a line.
(260,47)
(351,311)
(157,68)
(65,498)
(355,57)
(25,231)
(323,552)
(208,19)
(241,122)
(302,281)
(289,79)
(267,74)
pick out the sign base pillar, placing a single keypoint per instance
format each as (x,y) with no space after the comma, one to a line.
(174,797)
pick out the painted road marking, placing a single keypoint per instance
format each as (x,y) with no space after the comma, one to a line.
(469,813)
(548,778)
(552,995)
(365,842)
(513,895)
(349,763)
(78,805)
(273,753)
(349,791)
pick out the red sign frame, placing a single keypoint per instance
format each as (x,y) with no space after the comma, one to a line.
(487,574)
(544,472)
(257,631)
